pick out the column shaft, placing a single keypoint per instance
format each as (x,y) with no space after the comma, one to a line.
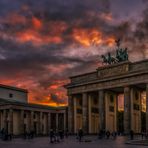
(57,121)
(49,122)
(75,114)
(102,109)
(0,119)
(40,123)
(127,110)
(147,107)
(10,130)
(22,122)
(89,114)
(4,120)
(32,120)
(64,118)
(85,112)
(70,114)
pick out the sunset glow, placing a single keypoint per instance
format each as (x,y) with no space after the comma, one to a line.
(43,43)
(87,37)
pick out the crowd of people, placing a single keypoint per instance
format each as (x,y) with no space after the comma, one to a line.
(57,136)
(107,134)
(29,134)
(4,135)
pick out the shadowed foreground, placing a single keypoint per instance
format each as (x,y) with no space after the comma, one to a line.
(71,142)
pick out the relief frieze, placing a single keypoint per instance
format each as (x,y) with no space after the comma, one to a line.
(113,71)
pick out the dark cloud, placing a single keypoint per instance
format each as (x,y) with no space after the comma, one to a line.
(42,43)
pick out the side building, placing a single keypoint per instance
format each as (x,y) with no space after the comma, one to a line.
(17,116)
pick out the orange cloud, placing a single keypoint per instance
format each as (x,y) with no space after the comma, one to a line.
(87,37)
(110,41)
(36,35)
(37,24)
(44,96)
(15,18)
(36,38)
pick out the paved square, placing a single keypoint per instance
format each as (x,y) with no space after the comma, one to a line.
(71,142)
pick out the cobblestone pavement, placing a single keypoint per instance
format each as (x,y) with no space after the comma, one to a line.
(71,142)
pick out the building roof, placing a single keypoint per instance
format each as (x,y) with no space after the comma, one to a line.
(10,102)
(13,88)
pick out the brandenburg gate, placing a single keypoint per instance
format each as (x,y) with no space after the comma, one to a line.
(93,97)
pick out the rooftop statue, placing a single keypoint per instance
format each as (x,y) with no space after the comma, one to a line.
(121,55)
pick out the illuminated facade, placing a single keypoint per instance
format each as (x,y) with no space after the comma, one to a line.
(93,98)
(17,116)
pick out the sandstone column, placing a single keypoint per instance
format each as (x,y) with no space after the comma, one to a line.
(127,110)
(49,122)
(64,118)
(75,114)
(146,107)
(70,114)
(102,109)
(10,130)
(40,123)
(32,121)
(4,120)
(57,121)
(0,119)
(22,122)
(85,112)
(89,114)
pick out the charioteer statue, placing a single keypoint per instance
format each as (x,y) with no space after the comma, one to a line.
(121,55)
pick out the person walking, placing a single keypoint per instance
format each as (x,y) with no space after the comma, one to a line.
(80,134)
(107,134)
(51,134)
(131,134)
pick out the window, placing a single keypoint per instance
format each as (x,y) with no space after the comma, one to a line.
(136,107)
(80,102)
(10,95)
(111,108)
(95,101)
(42,127)
(136,95)
(95,110)
(111,98)
(24,115)
(79,111)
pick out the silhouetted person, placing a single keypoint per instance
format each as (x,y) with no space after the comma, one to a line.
(107,134)
(2,133)
(142,134)
(100,134)
(114,134)
(57,136)
(32,134)
(51,134)
(66,133)
(80,134)
(61,134)
(131,134)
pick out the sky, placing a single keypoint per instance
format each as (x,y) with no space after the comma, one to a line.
(44,42)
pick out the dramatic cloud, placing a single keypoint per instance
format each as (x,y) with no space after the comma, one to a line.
(42,43)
